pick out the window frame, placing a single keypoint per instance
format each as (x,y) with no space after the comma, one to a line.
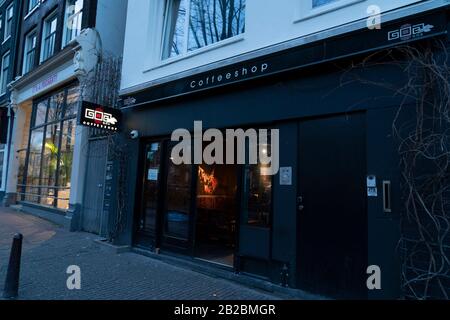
(8,22)
(1,22)
(47,24)
(244,193)
(4,72)
(26,51)
(31,8)
(186,53)
(23,185)
(79,15)
(305,9)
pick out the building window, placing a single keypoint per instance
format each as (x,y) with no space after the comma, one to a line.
(8,21)
(318,3)
(194,24)
(313,8)
(30,52)
(32,4)
(1,23)
(49,37)
(4,72)
(47,178)
(73,19)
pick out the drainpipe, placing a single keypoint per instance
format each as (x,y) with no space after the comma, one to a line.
(11,113)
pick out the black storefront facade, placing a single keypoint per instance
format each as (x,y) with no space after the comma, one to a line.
(334,207)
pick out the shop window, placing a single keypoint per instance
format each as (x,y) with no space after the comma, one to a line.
(50,150)
(73,19)
(4,72)
(8,21)
(65,163)
(257,199)
(49,37)
(30,52)
(194,24)
(55,109)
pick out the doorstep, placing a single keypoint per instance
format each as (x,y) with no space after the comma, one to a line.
(55,216)
(219,272)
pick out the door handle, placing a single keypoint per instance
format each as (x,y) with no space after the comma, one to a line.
(300,205)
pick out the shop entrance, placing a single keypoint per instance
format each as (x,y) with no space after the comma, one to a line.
(215,227)
(332,210)
(187,209)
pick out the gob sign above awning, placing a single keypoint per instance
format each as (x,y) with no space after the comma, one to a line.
(100,117)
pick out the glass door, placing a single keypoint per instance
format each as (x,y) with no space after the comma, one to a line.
(148,217)
(178,204)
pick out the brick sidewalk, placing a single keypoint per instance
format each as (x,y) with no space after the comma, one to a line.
(48,250)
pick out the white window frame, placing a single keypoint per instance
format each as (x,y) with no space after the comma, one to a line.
(31,8)
(4,73)
(306,11)
(186,53)
(25,67)
(46,24)
(66,20)
(8,22)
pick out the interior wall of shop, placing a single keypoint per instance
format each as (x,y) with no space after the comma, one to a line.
(281,101)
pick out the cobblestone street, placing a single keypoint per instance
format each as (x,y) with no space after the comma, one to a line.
(48,250)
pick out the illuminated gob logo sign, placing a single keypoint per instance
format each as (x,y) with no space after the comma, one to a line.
(409,31)
(96,116)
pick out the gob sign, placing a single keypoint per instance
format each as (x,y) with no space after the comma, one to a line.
(96,116)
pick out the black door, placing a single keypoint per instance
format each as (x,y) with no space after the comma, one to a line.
(332,215)
(147,231)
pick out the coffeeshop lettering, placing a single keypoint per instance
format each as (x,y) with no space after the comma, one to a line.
(232,75)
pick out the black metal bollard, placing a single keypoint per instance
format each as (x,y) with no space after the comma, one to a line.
(12,277)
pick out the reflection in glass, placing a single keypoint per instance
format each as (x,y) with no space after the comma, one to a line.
(73,95)
(151,189)
(212,21)
(50,152)
(65,163)
(41,113)
(178,200)
(50,163)
(34,164)
(257,204)
(209,21)
(175,25)
(55,110)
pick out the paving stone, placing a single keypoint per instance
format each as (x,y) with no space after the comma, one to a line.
(48,250)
